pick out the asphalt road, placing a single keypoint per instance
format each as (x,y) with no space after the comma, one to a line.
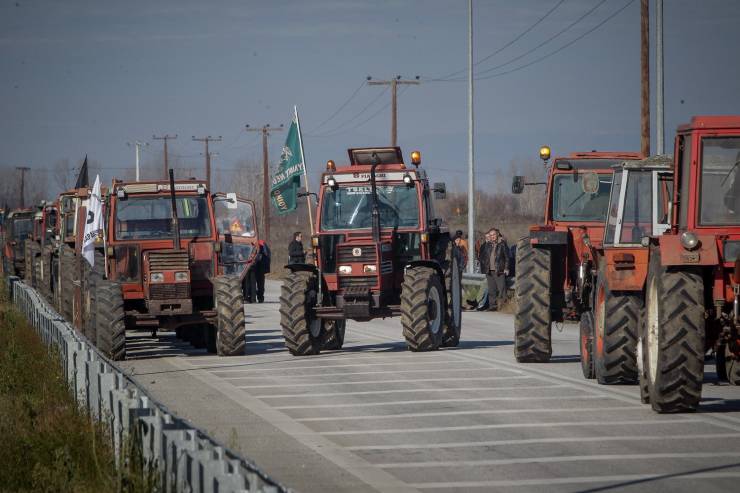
(376,417)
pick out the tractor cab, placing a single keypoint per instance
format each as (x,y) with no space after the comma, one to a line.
(237,233)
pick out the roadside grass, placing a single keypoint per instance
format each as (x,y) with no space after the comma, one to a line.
(49,443)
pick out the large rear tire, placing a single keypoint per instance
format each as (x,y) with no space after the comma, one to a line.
(301,329)
(532,319)
(453,315)
(587,344)
(422,309)
(111,326)
(231,329)
(675,334)
(616,322)
(94,276)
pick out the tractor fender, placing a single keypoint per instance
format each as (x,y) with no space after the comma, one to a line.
(302,268)
(673,253)
(428,263)
(543,237)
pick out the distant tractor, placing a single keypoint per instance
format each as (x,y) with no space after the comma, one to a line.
(236,222)
(161,256)
(639,208)
(17,228)
(557,263)
(40,247)
(380,252)
(692,295)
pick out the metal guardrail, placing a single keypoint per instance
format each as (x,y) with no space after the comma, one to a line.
(186,458)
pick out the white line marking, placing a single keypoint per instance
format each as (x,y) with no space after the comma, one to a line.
(577,480)
(344,374)
(363,382)
(640,422)
(365,355)
(527,441)
(249,366)
(402,391)
(556,459)
(438,401)
(565,410)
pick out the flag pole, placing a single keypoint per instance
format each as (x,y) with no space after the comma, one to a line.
(305,170)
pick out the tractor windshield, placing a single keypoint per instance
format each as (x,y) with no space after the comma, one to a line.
(22,228)
(571,203)
(719,203)
(351,207)
(150,218)
(234,217)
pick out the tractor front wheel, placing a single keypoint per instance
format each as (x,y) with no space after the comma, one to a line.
(111,326)
(422,309)
(301,329)
(674,337)
(587,344)
(66,281)
(453,316)
(333,334)
(728,365)
(532,319)
(231,329)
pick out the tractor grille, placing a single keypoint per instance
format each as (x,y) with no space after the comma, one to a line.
(357,282)
(169,291)
(345,254)
(160,260)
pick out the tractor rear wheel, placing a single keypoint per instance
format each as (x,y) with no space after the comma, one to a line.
(532,319)
(66,281)
(111,326)
(587,344)
(231,328)
(333,334)
(422,309)
(301,329)
(94,276)
(453,316)
(674,339)
(617,315)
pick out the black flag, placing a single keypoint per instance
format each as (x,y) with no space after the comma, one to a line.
(83,181)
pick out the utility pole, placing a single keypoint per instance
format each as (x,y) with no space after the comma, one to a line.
(471,154)
(265,129)
(659,131)
(645,78)
(23,170)
(137,145)
(208,155)
(165,137)
(394,100)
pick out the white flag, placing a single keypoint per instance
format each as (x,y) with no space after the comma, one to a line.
(93,223)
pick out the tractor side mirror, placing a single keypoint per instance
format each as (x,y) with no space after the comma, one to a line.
(440,191)
(517,185)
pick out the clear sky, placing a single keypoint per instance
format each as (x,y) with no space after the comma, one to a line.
(81,77)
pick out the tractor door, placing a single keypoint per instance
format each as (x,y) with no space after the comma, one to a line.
(237,233)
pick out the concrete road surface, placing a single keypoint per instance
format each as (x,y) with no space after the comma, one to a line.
(376,417)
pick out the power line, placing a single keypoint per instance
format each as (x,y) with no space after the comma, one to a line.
(393,83)
(333,131)
(341,107)
(517,38)
(165,138)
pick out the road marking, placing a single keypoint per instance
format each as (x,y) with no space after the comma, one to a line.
(577,480)
(364,382)
(365,355)
(556,459)
(402,391)
(343,374)
(565,410)
(248,366)
(510,425)
(527,441)
(437,401)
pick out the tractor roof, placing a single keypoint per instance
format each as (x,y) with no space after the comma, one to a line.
(154,187)
(359,156)
(661,162)
(713,122)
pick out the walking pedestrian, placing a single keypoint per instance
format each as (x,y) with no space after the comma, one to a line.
(296,253)
(263,264)
(495,263)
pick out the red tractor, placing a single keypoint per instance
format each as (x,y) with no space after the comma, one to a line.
(17,228)
(381,252)
(692,294)
(162,269)
(40,247)
(556,264)
(237,231)
(639,207)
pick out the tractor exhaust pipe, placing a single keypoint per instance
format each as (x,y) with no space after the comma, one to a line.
(175,220)
(375,217)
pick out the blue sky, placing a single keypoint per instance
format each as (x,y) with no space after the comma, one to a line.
(81,77)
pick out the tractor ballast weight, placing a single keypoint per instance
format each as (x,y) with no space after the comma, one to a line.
(559,259)
(692,291)
(380,252)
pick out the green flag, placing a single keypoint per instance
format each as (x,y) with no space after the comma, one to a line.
(287,179)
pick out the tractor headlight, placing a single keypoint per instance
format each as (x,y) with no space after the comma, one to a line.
(689,240)
(370,269)
(332,182)
(183,276)
(345,269)
(407,179)
(156,277)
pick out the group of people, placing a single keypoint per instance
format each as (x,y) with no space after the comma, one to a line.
(496,262)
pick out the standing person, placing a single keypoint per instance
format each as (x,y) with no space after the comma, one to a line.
(462,245)
(494,260)
(296,253)
(263,267)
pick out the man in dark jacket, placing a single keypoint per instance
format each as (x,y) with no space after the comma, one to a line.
(495,264)
(296,253)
